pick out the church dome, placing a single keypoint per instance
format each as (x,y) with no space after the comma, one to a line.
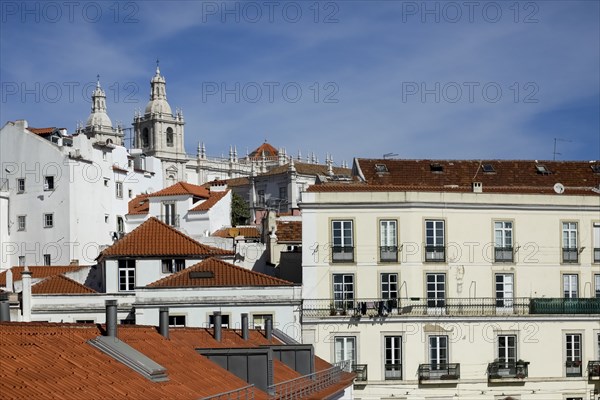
(158,106)
(99,119)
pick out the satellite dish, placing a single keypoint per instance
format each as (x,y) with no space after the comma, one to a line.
(559,188)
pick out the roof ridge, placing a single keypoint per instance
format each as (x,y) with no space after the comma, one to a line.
(248,270)
(62,277)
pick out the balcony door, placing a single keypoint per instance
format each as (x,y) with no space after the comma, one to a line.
(438,355)
(504,293)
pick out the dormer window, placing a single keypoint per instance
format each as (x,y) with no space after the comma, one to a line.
(542,169)
(379,168)
(436,167)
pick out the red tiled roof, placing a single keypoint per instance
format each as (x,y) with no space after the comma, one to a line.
(154,238)
(183,188)
(265,148)
(60,284)
(139,205)
(508,176)
(289,231)
(245,231)
(222,274)
(211,201)
(38,272)
(234,182)
(41,131)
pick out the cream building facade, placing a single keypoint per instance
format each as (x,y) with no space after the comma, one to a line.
(457,279)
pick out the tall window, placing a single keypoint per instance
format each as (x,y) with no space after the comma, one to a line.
(343,291)
(345,349)
(21,222)
(438,351)
(145,138)
(507,349)
(436,290)
(20,185)
(170,139)
(21,261)
(570,286)
(597,285)
(435,247)
(504,290)
(120,224)
(169,217)
(596,239)
(393,357)
(119,190)
(388,241)
(389,286)
(47,259)
(126,275)
(343,244)
(48,182)
(48,220)
(569,240)
(503,241)
(172,266)
(573,353)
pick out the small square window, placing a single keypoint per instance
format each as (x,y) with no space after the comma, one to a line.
(48,183)
(20,185)
(48,220)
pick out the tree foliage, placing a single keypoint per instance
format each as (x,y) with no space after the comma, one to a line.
(239,210)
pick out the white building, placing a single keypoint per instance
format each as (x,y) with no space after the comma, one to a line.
(55,187)
(457,279)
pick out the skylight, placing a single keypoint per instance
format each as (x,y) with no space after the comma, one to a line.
(595,168)
(436,167)
(541,169)
(488,168)
(381,168)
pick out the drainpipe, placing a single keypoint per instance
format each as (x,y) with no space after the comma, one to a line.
(217,328)
(26,294)
(4,308)
(268,327)
(163,321)
(111,318)
(245,326)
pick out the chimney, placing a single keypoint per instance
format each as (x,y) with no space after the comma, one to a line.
(163,321)
(245,326)
(477,187)
(217,325)
(268,327)
(4,308)
(26,295)
(111,318)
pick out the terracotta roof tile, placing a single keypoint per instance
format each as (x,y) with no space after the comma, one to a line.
(38,272)
(60,284)
(508,176)
(234,182)
(219,273)
(211,201)
(183,188)
(139,205)
(265,148)
(41,131)
(289,231)
(245,231)
(154,238)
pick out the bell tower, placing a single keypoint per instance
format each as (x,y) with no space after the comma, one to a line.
(160,133)
(99,125)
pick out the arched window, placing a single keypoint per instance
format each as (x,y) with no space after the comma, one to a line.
(170,137)
(145,138)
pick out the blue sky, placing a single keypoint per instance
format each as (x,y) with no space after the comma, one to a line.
(425,79)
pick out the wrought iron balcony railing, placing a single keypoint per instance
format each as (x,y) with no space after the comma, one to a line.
(304,386)
(593,370)
(388,253)
(393,371)
(438,372)
(342,254)
(508,370)
(573,368)
(503,254)
(416,306)
(361,372)
(435,253)
(570,255)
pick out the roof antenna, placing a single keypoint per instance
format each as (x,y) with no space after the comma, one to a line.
(389,155)
(555,153)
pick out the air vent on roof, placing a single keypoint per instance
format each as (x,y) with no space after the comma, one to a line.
(541,169)
(436,167)
(201,274)
(381,168)
(595,168)
(488,168)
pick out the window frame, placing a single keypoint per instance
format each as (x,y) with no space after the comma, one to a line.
(342,245)
(170,216)
(596,242)
(438,350)
(504,302)
(119,189)
(573,351)
(21,223)
(343,299)
(434,251)
(344,340)
(388,241)
(570,242)
(170,137)
(20,182)
(45,220)
(597,288)
(435,302)
(49,184)
(174,323)
(570,289)
(126,269)
(262,317)
(172,265)
(225,321)
(506,358)
(47,259)
(504,253)
(393,363)
(388,293)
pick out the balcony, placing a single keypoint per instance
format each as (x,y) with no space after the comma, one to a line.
(596,255)
(438,373)
(503,254)
(565,306)
(570,255)
(593,370)
(573,368)
(388,253)
(393,372)
(435,253)
(342,254)
(508,371)
(170,219)
(361,372)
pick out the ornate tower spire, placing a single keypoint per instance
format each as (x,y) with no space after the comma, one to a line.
(98,116)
